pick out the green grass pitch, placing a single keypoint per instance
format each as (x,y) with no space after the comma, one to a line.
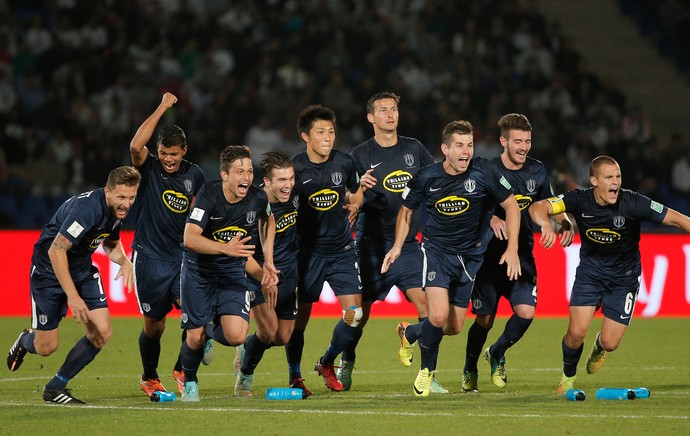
(654,354)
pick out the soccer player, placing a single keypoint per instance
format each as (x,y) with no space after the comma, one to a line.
(387,162)
(273,309)
(530,182)
(168,186)
(608,276)
(329,196)
(62,275)
(456,194)
(217,242)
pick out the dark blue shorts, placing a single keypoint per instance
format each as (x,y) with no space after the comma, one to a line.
(206,297)
(492,283)
(157,285)
(286,307)
(341,272)
(453,272)
(49,301)
(615,295)
(405,273)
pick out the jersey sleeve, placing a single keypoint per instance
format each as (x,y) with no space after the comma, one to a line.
(645,209)
(202,206)
(496,183)
(425,158)
(350,168)
(82,218)
(357,159)
(413,194)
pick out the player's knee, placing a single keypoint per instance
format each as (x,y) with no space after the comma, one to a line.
(608,344)
(45,348)
(353,316)
(485,321)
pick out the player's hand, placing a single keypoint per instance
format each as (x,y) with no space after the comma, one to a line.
(391,257)
(127,273)
(512,261)
(79,310)
(270,274)
(548,237)
(270,295)
(566,233)
(238,247)
(168,100)
(368,180)
(353,211)
(499,227)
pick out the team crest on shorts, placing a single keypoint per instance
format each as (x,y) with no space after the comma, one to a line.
(618,221)
(409,159)
(431,275)
(43,319)
(146,307)
(477,303)
(337,178)
(470,185)
(251,216)
(252,295)
(184,317)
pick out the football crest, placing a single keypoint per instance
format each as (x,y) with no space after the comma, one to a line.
(337,178)
(470,185)
(409,159)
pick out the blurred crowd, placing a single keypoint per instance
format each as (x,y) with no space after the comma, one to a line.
(78,77)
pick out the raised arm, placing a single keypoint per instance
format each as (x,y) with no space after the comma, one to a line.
(677,219)
(137,147)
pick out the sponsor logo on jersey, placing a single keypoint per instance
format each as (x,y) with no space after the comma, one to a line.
(324,199)
(452,205)
(286,221)
(224,235)
(396,181)
(470,185)
(618,221)
(656,207)
(175,201)
(523,201)
(531,185)
(603,236)
(75,229)
(337,178)
(409,159)
(97,240)
(505,183)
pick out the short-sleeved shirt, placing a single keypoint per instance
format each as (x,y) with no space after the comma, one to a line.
(457,206)
(285,242)
(393,167)
(221,221)
(610,234)
(85,220)
(164,202)
(323,225)
(529,184)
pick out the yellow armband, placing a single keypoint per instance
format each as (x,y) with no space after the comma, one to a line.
(557,205)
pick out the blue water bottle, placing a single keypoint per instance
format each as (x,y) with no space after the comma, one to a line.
(285,394)
(163,396)
(641,392)
(615,394)
(575,395)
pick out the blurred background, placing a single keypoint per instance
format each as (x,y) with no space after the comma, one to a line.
(78,77)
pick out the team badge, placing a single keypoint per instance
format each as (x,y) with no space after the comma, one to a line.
(43,319)
(477,303)
(146,307)
(431,275)
(295,202)
(531,185)
(409,159)
(337,178)
(618,221)
(184,317)
(470,185)
(251,216)
(188,185)
(252,295)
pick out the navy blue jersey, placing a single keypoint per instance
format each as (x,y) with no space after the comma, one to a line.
(530,184)
(221,221)
(323,227)
(85,220)
(393,168)
(610,234)
(164,201)
(285,243)
(456,205)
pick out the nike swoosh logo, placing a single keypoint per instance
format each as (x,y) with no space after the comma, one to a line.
(375,165)
(587,216)
(216,218)
(434,189)
(417,390)
(103,298)
(306,181)
(625,317)
(245,312)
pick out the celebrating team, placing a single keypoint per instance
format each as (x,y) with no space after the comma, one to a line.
(221,250)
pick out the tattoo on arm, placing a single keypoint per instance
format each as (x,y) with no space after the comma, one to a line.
(61,243)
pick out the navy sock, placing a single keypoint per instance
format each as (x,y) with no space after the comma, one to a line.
(293,352)
(78,357)
(476,338)
(515,328)
(150,350)
(191,359)
(27,341)
(349,353)
(431,339)
(215,332)
(343,335)
(254,351)
(570,359)
(178,364)
(414,331)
